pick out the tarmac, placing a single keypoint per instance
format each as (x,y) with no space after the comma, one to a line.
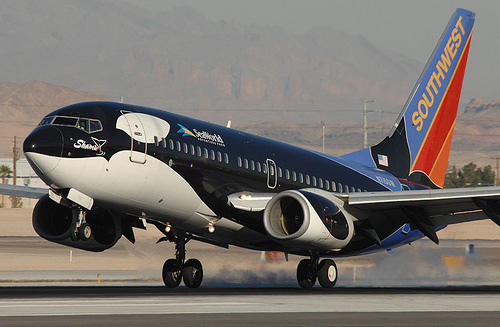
(454,284)
(155,306)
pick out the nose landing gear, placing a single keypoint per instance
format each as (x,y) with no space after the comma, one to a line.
(80,229)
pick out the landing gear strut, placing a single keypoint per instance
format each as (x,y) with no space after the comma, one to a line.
(310,269)
(80,229)
(190,271)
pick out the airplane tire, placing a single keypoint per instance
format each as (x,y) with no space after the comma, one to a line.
(171,273)
(73,232)
(192,273)
(84,232)
(306,273)
(327,273)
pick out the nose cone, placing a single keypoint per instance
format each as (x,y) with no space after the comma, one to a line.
(43,148)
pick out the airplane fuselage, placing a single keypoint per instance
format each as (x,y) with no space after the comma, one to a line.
(170,168)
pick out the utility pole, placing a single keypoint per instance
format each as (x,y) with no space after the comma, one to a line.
(498,168)
(15,152)
(323,124)
(365,123)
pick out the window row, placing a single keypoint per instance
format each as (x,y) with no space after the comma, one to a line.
(297,177)
(191,149)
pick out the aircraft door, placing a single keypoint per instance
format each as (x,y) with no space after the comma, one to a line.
(272,174)
(138,140)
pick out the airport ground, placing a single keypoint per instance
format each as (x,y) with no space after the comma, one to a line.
(454,284)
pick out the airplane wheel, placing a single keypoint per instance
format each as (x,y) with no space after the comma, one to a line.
(73,232)
(327,273)
(306,273)
(171,273)
(84,232)
(192,273)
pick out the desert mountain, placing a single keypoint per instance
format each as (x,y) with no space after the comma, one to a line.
(181,61)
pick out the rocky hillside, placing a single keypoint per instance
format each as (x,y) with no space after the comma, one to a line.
(181,61)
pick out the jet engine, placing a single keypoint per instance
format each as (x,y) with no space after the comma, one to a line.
(309,221)
(52,221)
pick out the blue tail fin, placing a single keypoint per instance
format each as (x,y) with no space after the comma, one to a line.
(418,146)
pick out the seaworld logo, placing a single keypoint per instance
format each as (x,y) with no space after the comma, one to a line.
(202,136)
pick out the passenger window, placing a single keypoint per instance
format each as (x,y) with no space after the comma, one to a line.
(346,189)
(226,158)
(294,176)
(353,190)
(320,183)
(264,168)
(178,144)
(301,178)
(156,140)
(193,151)
(245,161)
(171,144)
(287,174)
(340,188)
(359,190)
(308,179)
(334,186)
(239,162)
(205,152)
(252,165)
(212,154)
(186,149)
(164,143)
(198,151)
(314,181)
(280,173)
(258,167)
(219,156)
(271,170)
(327,185)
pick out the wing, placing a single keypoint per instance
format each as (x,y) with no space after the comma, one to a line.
(23,191)
(428,209)
(425,210)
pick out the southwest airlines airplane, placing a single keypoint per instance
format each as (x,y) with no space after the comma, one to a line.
(113,167)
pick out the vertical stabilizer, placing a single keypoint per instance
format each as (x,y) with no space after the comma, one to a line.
(418,146)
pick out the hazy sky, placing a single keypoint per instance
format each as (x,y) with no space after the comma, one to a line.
(409,27)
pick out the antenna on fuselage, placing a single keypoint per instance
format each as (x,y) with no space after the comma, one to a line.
(228,125)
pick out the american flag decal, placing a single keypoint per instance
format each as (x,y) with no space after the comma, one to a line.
(383,160)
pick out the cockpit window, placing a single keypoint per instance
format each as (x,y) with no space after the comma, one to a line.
(65,121)
(95,126)
(85,124)
(46,121)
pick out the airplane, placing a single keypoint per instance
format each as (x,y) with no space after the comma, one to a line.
(112,167)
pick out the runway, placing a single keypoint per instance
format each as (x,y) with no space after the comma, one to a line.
(155,306)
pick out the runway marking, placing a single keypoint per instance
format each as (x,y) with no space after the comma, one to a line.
(218,304)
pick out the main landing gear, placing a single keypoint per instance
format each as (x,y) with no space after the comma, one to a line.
(175,270)
(80,229)
(310,269)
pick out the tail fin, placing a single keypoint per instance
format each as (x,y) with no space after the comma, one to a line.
(418,146)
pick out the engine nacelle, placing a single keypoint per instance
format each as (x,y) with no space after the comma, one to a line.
(52,221)
(308,221)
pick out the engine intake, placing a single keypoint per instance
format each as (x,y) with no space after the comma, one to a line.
(308,221)
(52,221)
